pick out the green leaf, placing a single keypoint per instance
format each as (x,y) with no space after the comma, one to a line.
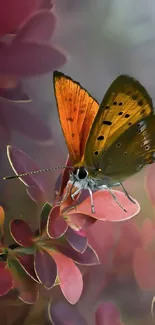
(25,250)
(44,216)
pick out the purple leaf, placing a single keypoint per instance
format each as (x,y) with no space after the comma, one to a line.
(64,314)
(21,232)
(27,263)
(88,257)
(39,27)
(36,194)
(29,58)
(56,225)
(77,241)
(22,163)
(108,313)
(45,267)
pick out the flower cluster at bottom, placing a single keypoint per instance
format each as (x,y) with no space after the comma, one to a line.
(36,258)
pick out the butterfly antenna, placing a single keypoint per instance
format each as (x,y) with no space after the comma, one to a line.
(35,172)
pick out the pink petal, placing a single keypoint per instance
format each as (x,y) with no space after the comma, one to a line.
(103,236)
(39,27)
(150,182)
(13,12)
(144,268)
(108,314)
(6,281)
(70,277)
(56,225)
(29,58)
(106,207)
(64,314)
(21,232)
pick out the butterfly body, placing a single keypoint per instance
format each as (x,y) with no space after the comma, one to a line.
(108,142)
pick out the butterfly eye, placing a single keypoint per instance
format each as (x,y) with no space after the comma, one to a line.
(110,160)
(127,115)
(120,104)
(120,113)
(129,123)
(114,103)
(125,153)
(96,153)
(118,145)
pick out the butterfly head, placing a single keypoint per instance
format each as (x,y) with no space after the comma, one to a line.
(80,173)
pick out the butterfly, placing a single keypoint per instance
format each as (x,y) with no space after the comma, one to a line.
(109,142)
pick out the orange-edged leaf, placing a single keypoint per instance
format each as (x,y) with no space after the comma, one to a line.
(77,110)
(2,216)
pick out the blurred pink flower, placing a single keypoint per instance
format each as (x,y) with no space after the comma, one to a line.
(29,53)
(14,12)
(60,313)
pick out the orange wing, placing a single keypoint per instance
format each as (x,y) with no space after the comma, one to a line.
(77,110)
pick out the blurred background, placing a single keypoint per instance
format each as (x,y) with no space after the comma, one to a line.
(100,40)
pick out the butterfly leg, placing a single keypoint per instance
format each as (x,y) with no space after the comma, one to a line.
(127,194)
(76,192)
(91,200)
(113,195)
